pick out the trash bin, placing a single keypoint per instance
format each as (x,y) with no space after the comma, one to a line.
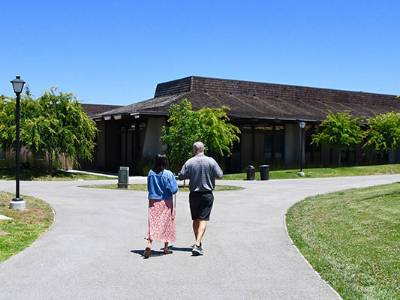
(123,177)
(264,172)
(250,173)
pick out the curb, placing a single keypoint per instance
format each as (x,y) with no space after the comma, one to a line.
(51,227)
(308,263)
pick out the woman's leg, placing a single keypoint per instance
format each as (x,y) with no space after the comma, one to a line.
(147,251)
(166,249)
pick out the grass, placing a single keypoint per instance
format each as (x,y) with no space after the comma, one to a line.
(325,172)
(27,174)
(352,238)
(26,226)
(143,187)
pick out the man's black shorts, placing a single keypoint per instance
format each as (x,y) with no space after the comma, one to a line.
(201,204)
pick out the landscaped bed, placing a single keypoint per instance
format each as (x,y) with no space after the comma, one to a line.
(26,226)
(325,172)
(27,174)
(352,238)
(143,187)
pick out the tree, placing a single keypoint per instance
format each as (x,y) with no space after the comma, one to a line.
(185,126)
(340,130)
(7,122)
(7,119)
(215,131)
(180,134)
(60,126)
(53,124)
(384,132)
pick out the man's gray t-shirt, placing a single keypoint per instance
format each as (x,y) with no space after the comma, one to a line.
(201,170)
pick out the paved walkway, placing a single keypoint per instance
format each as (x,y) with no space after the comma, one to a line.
(93,249)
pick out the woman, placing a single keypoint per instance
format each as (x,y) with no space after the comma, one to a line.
(161,185)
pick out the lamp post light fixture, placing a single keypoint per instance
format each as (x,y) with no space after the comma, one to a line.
(302,124)
(17,203)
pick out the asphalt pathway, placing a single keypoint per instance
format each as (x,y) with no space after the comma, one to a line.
(93,251)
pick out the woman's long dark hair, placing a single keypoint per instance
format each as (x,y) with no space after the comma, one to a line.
(160,163)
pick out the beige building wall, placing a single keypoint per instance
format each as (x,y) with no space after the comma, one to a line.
(152,142)
(292,145)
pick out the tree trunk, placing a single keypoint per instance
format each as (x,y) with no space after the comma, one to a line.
(50,167)
(340,158)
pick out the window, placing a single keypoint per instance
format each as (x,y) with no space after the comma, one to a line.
(274,145)
(268,142)
(2,153)
(312,151)
(279,142)
(268,145)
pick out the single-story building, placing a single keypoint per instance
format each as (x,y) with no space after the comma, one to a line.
(267,114)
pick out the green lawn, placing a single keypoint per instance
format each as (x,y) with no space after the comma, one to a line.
(352,238)
(325,172)
(9,174)
(143,187)
(26,227)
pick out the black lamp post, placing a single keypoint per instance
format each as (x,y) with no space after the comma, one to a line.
(17,203)
(302,124)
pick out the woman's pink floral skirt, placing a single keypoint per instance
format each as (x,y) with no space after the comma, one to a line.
(161,221)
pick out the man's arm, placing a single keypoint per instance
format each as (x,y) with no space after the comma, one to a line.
(217,170)
(184,173)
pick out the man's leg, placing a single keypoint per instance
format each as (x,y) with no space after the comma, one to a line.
(207,200)
(193,201)
(201,229)
(195,228)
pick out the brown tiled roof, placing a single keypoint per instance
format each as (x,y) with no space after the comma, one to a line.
(95,109)
(261,100)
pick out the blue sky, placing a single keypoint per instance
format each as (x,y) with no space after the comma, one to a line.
(116,52)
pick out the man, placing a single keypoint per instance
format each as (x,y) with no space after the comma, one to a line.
(201,170)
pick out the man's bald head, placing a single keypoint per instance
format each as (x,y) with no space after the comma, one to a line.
(198,148)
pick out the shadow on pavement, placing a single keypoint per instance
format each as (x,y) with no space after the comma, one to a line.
(153,252)
(180,249)
(160,253)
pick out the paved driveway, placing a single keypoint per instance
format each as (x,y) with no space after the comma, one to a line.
(93,249)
